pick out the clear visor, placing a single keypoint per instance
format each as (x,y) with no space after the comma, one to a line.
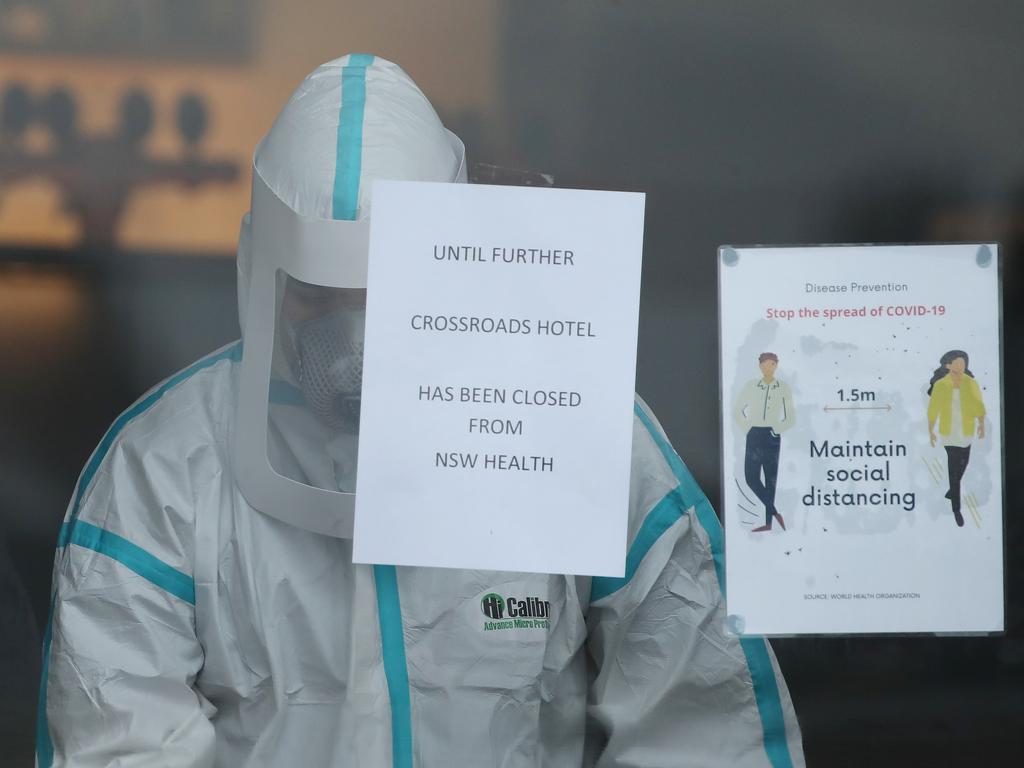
(296,436)
(316,383)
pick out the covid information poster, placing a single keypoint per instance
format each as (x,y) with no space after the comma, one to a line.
(500,357)
(861,437)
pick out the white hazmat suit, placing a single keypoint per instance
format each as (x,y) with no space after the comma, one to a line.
(190,629)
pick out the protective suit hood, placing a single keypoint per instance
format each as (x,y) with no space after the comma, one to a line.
(353,120)
(321,168)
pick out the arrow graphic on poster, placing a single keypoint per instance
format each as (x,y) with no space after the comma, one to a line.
(858,407)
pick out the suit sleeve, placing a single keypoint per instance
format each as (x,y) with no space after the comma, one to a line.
(671,686)
(121,654)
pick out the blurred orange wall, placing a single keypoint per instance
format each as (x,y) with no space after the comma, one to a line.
(450,47)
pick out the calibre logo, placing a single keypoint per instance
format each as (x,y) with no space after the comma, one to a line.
(529,613)
(493,606)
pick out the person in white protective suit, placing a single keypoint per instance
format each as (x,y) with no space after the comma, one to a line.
(206,609)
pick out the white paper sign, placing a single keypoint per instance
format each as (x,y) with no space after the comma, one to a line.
(873,436)
(497,407)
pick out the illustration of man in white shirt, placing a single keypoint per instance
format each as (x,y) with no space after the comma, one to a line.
(765,410)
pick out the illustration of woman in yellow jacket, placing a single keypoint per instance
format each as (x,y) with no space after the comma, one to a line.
(954,401)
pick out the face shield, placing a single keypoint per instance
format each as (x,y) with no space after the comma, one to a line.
(297,432)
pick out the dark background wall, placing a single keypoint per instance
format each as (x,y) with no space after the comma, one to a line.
(744,123)
(801,123)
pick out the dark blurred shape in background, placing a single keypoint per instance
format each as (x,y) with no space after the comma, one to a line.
(126,132)
(15,112)
(192,119)
(96,176)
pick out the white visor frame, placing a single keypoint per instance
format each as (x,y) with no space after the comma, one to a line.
(284,240)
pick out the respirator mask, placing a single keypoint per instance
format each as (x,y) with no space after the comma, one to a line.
(328,365)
